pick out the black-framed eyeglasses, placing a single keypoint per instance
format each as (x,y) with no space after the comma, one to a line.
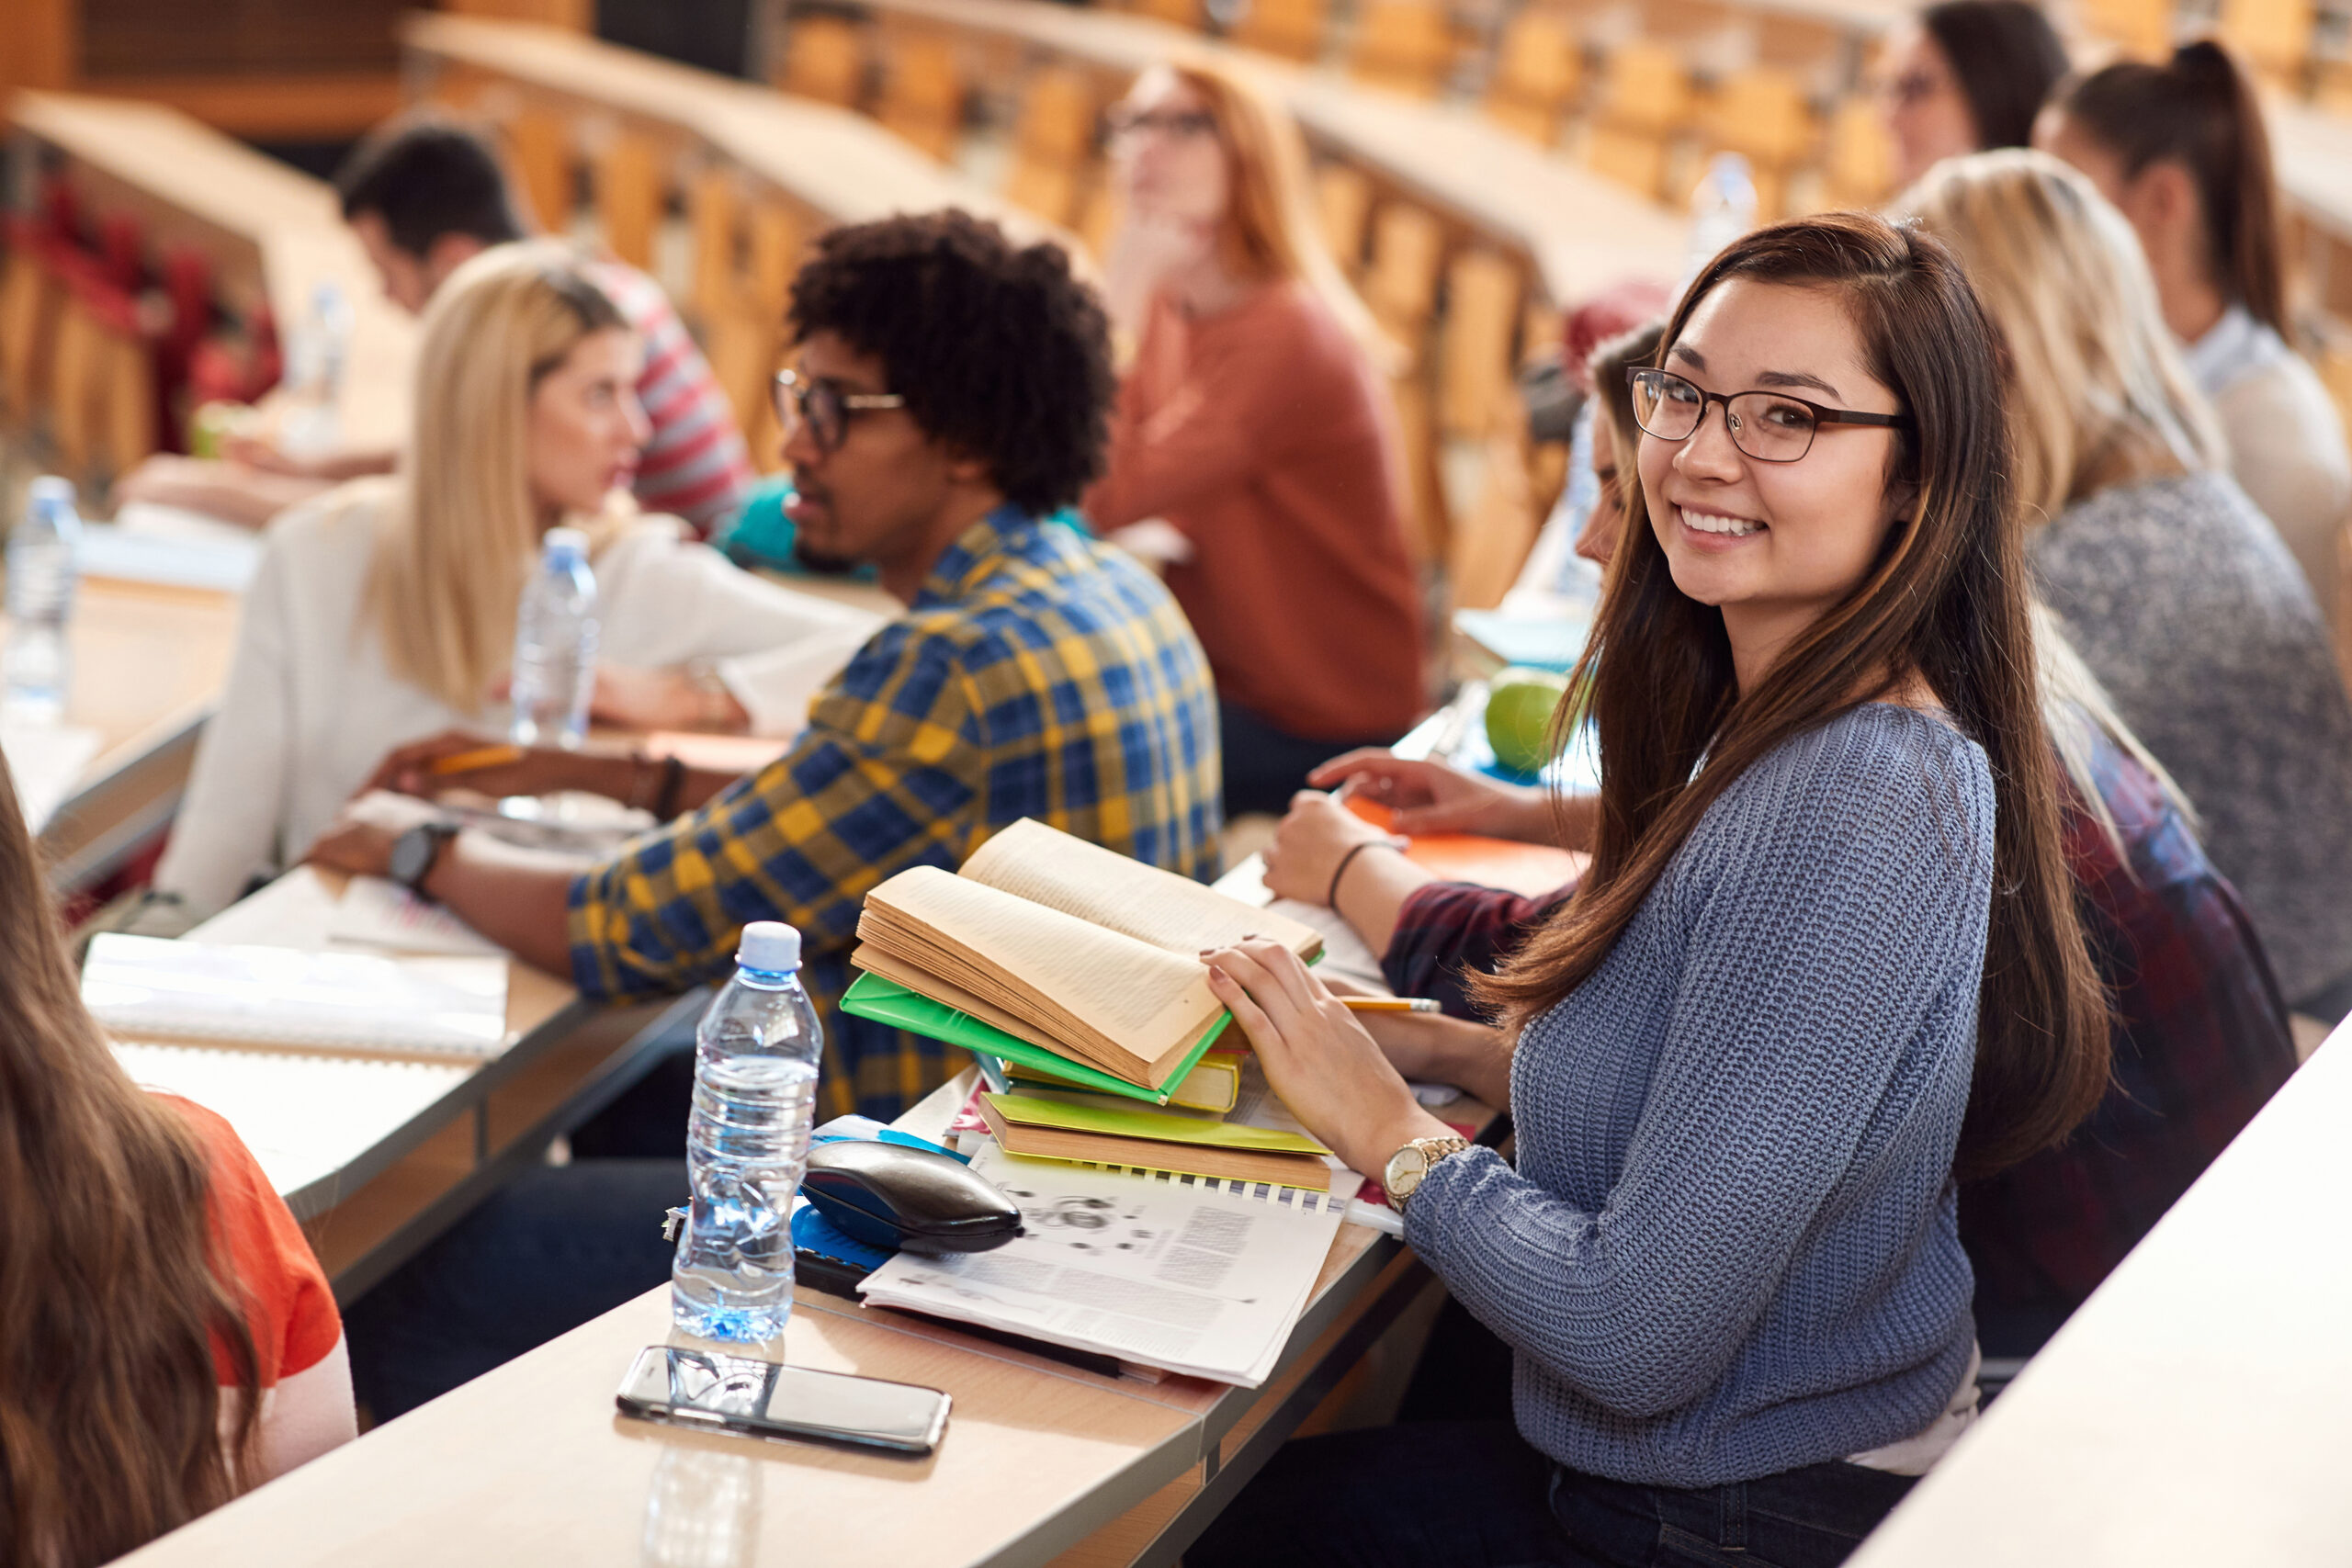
(1125,123)
(1771,427)
(823,407)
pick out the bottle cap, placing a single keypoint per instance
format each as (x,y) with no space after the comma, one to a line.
(769,944)
(50,491)
(569,544)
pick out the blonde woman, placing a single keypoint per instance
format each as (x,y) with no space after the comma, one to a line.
(385,611)
(2178,593)
(1255,422)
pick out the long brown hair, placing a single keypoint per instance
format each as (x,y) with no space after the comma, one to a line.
(2199,110)
(113,1289)
(1947,598)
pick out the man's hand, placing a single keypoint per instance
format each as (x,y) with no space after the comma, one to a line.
(360,841)
(540,770)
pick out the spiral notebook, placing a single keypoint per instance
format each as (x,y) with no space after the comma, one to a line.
(147,988)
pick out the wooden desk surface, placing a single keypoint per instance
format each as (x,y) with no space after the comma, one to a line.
(271,232)
(841,166)
(1582,233)
(530,1462)
(2192,1412)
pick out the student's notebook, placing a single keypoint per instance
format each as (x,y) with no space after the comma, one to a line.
(1093,1130)
(1530,870)
(1057,953)
(147,988)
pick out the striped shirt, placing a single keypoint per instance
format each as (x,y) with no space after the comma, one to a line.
(694,467)
(1037,673)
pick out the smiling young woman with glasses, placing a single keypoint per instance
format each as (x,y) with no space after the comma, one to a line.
(1826,960)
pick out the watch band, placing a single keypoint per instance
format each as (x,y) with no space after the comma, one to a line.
(1432,1150)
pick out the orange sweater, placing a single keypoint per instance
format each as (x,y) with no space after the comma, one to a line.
(1264,435)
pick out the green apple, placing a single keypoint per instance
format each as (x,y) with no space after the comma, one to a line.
(1520,704)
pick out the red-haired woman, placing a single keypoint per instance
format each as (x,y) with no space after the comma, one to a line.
(1255,422)
(166,1338)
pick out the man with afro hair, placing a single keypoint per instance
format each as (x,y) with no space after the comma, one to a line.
(947,390)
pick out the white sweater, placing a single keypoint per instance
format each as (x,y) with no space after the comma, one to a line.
(2287,445)
(310,707)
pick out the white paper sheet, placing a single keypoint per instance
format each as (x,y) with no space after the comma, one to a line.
(1188,1275)
(377,913)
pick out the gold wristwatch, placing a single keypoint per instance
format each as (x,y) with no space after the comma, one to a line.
(1406,1169)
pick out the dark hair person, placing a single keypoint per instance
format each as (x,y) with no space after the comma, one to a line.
(1826,958)
(152,1287)
(1967,76)
(2181,151)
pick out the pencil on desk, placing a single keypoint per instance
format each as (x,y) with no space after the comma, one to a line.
(1390,1004)
(479,756)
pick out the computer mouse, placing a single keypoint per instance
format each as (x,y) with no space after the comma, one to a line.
(890,1195)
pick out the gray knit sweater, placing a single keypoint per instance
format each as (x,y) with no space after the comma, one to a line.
(1730,1247)
(2190,611)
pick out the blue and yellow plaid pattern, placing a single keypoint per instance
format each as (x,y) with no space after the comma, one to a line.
(1037,673)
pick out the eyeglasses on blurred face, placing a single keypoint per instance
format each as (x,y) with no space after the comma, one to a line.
(1127,123)
(1771,427)
(823,407)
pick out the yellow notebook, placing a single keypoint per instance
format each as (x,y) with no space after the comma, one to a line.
(1095,1130)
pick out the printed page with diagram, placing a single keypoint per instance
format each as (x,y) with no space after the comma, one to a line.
(1189,1275)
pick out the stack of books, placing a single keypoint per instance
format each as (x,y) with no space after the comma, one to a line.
(1073,975)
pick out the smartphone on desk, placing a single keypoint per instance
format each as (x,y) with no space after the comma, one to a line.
(752,1398)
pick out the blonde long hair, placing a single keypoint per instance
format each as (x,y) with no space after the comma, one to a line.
(2097,391)
(1270,231)
(457,541)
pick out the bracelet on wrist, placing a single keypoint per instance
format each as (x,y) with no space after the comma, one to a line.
(1332,897)
(674,779)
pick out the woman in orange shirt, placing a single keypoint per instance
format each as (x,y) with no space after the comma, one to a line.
(1254,423)
(166,1338)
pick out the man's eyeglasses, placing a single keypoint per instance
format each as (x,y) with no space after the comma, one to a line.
(1127,124)
(823,407)
(1771,427)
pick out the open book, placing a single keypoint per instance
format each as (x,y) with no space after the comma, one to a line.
(1066,948)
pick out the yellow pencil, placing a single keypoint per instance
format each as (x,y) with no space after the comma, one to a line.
(1391,1004)
(479,756)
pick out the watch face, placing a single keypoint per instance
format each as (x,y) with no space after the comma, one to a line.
(1406,1168)
(412,856)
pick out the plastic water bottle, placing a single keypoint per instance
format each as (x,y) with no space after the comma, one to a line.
(747,1141)
(312,425)
(1721,209)
(42,569)
(555,645)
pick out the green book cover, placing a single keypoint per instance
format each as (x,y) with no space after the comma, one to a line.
(1164,1126)
(886,1002)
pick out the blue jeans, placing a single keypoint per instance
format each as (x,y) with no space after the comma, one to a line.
(1475,1493)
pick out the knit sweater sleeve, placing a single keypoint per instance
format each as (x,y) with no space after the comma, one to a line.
(1827,915)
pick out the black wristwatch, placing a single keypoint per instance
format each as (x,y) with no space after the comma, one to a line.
(414,852)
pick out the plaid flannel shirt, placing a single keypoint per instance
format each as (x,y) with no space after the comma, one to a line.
(1037,673)
(2200,1042)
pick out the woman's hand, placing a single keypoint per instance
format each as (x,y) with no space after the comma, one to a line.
(1315,835)
(1431,798)
(538,770)
(662,699)
(1318,1058)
